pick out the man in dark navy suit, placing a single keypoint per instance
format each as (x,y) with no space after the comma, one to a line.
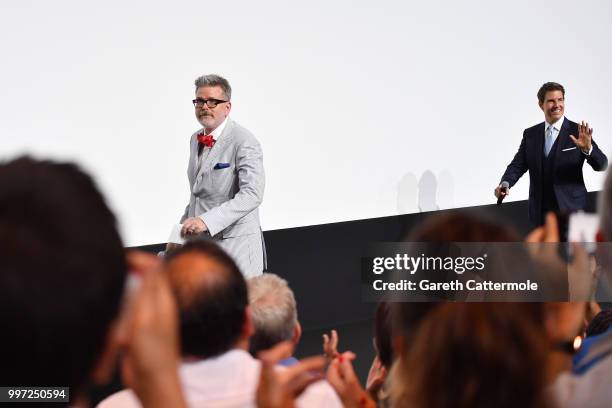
(554,156)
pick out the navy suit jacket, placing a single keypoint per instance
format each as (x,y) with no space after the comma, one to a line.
(568,183)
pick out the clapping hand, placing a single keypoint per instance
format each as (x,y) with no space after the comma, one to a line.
(280,388)
(376,378)
(148,336)
(330,345)
(341,376)
(581,280)
(585,136)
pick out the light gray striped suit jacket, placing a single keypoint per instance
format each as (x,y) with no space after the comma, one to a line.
(227,198)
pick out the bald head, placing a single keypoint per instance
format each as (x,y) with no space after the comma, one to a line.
(212,298)
(193,273)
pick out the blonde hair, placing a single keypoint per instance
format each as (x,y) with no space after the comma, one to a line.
(273,310)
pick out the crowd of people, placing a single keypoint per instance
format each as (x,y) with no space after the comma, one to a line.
(189,329)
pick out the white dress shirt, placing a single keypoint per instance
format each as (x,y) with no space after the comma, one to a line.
(556,128)
(216,134)
(229,380)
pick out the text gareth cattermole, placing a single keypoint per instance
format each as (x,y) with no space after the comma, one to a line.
(412,264)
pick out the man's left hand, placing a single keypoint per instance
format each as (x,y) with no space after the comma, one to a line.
(585,135)
(193,226)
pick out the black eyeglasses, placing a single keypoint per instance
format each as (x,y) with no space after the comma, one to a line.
(211,103)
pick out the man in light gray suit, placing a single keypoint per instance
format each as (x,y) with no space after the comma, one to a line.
(226,177)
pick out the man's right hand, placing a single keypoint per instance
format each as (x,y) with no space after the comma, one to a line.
(341,376)
(501,193)
(171,247)
(330,345)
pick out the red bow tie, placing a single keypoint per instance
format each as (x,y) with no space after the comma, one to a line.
(206,140)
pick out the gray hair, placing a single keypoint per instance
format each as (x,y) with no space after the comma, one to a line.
(605,208)
(215,80)
(273,311)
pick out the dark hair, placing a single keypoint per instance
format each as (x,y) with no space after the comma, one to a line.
(462,227)
(600,323)
(548,87)
(473,355)
(382,334)
(438,235)
(62,273)
(457,226)
(211,303)
(407,317)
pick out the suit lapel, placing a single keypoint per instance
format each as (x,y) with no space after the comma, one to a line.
(563,140)
(193,158)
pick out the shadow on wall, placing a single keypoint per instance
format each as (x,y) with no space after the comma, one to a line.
(427,194)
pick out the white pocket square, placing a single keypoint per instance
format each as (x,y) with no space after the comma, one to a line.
(568,149)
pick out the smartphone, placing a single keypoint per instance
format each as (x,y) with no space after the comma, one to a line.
(583,228)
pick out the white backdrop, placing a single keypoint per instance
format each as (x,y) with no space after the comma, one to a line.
(364,109)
